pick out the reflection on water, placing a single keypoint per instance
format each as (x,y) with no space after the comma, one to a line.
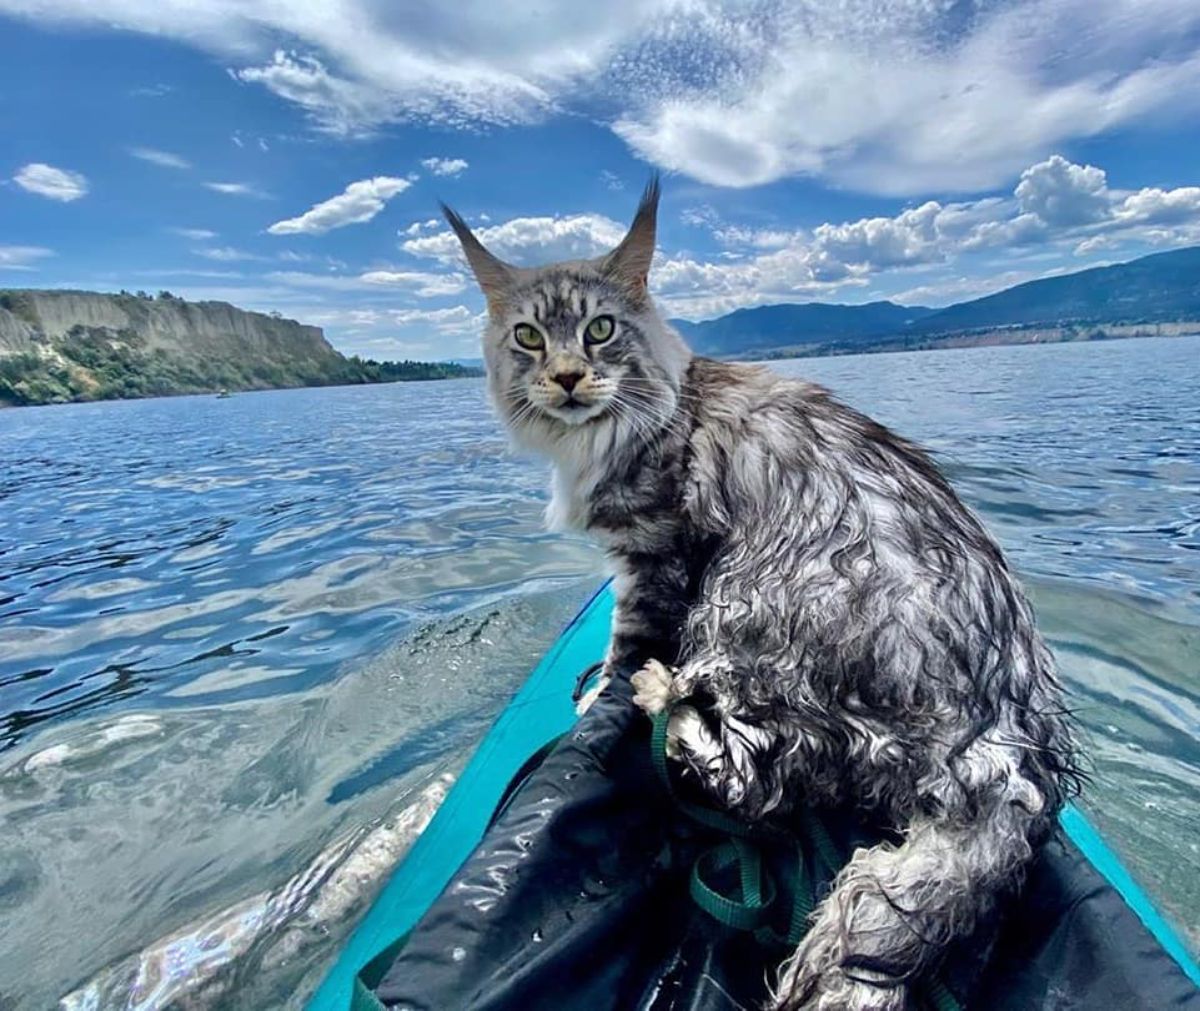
(240,640)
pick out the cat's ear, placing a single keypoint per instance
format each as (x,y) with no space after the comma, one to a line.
(495,276)
(629,263)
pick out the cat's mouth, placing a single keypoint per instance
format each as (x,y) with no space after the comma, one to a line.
(575,411)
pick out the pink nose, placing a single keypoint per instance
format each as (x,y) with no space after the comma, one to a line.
(567,380)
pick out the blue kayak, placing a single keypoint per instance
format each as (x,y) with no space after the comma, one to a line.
(508,908)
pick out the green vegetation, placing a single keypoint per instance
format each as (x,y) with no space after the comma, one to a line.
(91,363)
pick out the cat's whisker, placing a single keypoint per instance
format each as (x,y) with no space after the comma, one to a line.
(635,409)
(655,413)
(639,425)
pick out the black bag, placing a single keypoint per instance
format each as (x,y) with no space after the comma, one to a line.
(578,897)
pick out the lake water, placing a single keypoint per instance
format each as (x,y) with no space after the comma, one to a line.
(239,638)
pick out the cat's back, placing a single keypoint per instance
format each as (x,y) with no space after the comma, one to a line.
(732,393)
(762,437)
(747,418)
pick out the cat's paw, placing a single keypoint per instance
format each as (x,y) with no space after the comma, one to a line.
(814,979)
(834,990)
(652,686)
(690,740)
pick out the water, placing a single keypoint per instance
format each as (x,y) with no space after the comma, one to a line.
(245,643)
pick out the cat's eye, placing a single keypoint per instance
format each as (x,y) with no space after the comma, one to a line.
(528,337)
(599,330)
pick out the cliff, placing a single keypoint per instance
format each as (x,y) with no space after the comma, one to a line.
(169,324)
(58,346)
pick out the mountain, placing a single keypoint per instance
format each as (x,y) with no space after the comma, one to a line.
(1156,294)
(1163,286)
(58,346)
(793,325)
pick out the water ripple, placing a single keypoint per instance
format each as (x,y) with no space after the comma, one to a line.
(234,632)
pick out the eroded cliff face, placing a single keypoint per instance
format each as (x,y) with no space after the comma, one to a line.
(33,318)
(58,346)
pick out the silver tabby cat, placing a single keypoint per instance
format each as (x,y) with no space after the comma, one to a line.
(842,629)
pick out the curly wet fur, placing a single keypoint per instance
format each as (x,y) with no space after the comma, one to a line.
(842,627)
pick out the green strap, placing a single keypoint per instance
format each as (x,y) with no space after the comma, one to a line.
(718,821)
(750,910)
(752,907)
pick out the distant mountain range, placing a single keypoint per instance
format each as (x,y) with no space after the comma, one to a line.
(1157,294)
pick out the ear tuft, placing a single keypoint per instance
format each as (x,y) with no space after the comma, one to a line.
(495,276)
(630,261)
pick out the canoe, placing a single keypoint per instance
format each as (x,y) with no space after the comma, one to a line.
(573,894)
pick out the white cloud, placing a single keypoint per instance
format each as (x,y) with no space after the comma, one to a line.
(417,227)
(759,238)
(22,257)
(1153,206)
(1062,193)
(195,234)
(1057,205)
(525,241)
(910,237)
(423,284)
(611,180)
(458,320)
(400,282)
(888,96)
(151,91)
(236,189)
(695,289)
(911,98)
(50,182)
(359,202)
(335,105)
(444,166)
(291,256)
(412,84)
(961,288)
(184,272)
(1096,244)
(156,157)
(226,254)
(320,282)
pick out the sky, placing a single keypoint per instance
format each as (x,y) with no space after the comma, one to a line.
(290,156)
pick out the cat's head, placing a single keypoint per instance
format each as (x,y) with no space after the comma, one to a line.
(577,347)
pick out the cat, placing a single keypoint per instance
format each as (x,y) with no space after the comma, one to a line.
(842,629)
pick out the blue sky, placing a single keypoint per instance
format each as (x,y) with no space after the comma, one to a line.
(290,156)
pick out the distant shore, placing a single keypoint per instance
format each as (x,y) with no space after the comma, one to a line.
(449,372)
(996,337)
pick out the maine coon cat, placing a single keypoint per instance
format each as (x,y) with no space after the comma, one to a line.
(840,628)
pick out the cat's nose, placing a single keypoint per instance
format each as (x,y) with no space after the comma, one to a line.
(568,380)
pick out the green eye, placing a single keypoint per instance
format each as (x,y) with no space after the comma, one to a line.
(528,337)
(599,330)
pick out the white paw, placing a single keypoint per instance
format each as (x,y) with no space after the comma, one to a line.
(686,731)
(593,693)
(652,688)
(834,991)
